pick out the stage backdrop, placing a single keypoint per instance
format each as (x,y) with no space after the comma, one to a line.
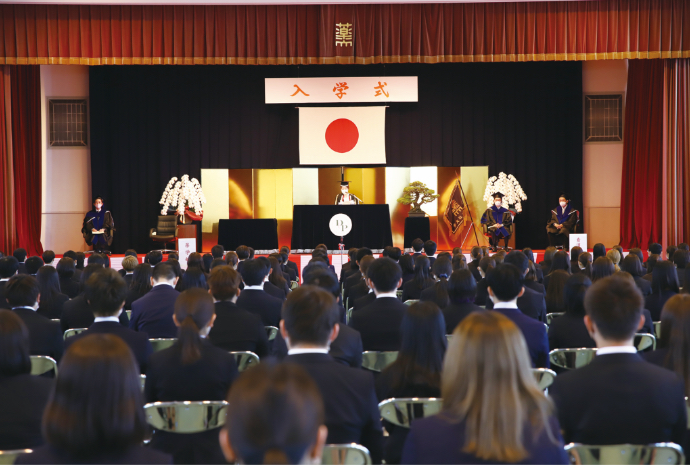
(151,123)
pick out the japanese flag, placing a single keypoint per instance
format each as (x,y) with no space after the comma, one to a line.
(342,135)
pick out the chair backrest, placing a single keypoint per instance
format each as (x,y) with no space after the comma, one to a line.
(186,417)
(550,317)
(410,301)
(41,364)
(544,377)
(666,453)
(73,332)
(449,337)
(645,342)
(657,328)
(271,332)
(294,285)
(345,454)
(399,294)
(166,225)
(57,320)
(8,457)
(348,314)
(142,382)
(245,359)
(161,343)
(401,411)
(571,358)
(377,361)
(129,314)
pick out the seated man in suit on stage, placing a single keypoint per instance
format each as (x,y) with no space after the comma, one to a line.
(531,302)
(153,313)
(497,220)
(105,293)
(505,286)
(45,337)
(309,326)
(379,322)
(361,294)
(254,298)
(234,329)
(355,277)
(8,268)
(618,398)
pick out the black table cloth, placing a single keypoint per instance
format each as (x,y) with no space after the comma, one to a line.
(416,227)
(261,234)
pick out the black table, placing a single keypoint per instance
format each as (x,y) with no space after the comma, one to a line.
(259,234)
(371,226)
(416,227)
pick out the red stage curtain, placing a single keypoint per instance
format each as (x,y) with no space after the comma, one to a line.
(20,159)
(306,34)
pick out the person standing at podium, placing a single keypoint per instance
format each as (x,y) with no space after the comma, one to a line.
(345,198)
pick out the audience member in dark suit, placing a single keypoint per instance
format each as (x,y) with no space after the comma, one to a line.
(485,264)
(364,301)
(85,420)
(275,415)
(430,252)
(350,267)
(680,259)
(355,277)
(309,325)
(234,329)
(618,398)
(379,322)
(633,265)
(23,396)
(569,331)
(45,338)
(538,272)
(462,289)
(153,313)
(438,293)
(105,293)
(8,268)
(254,298)
(32,264)
(532,303)
(555,302)
(192,369)
(478,423)
(65,270)
(548,257)
(417,247)
(560,261)
(360,289)
(286,250)
(129,263)
(406,263)
(649,266)
(140,284)
(417,370)
(584,264)
(192,277)
(20,255)
(51,300)
(599,250)
(505,289)
(664,286)
(476,255)
(412,290)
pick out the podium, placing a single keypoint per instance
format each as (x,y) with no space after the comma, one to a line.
(186,242)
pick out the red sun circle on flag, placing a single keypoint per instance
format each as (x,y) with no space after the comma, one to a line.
(342,135)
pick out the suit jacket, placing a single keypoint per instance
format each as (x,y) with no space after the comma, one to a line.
(153,313)
(379,324)
(346,271)
(128,279)
(69,287)
(52,308)
(346,348)
(351,281)
(351,407)
(3,301)
(407,277)
(482,296)
(21,410)
(22,268)
(290,272)
(644,285)
(357,291)
(236,329)
(274,291)
(473,266)
(209,378)
(535,335)
(132,295)
(647,277)
(439,439)
(77,313)
(138,342)
(655,303)
(532,303)
(294,266)
(619,399)
(364,301)
(535,286)
(455,313)
(133,455)
(262,304)
(569,332)
(412,292)
(430,294)
(45,337)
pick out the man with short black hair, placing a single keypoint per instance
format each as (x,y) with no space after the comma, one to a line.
(618,398)
(96,259)
(417,246)
(476,255)
(217,251)
(20,254)
(234,329)
(350,267)
(45,337)
(531,302)
(684,246)
(356,277)
(105,294)
(48,257)
(254,298)
(430,251)
(268,286)
(242,255)
(680,260)
(32,264)
(154,257)
(153,313)
(379,322)
(286,250)
(8,268)
(505,286)
(309,326)
(655,249)
(362,295)
(394,254)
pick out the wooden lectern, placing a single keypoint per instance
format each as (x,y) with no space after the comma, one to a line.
(185,231)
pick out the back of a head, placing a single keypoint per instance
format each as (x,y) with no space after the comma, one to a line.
(242,252)
(505,282)
(575,253)
(163,272)
(637,252)
(232,259)
(429,248)
(614,255)
(614,304)
(86,274)
(207,258)
(154,257)
(599,250)
(22,291)
(417,245)
(549,253)
(129,263)
(8,267)
(670,250)
(172,256)
(561,261)
(487,382)
(423,344)
(309,314)
(141,279)
(486,263)
(72,254)
(80,260)
(365,263)
(385,274)
(406,263)
(285,249)
(217,251)
(314,266)
(96,259)
(680,258)
(555,301)
(462,287)
(574,293)
(251,252)
(33,264)
(275,416)
(442,268)
(194,310)
(48,282)
(14,345)
(675,335)
(476,252)
(665,277)
(131,253)
(395,253)
(684,246)
(655,249)
(352,254)
(48,256)
(106,292)
(386,251)
(500,256)
(651,262)
(363,252)
(517,258)
(254,272)
(326,280)
(528,253)
(632,265)
(602,268)
(193,277)
(19,254)
(216,263)
(585,263)
(96,408)
(195,260)
(224,282)
(458,262)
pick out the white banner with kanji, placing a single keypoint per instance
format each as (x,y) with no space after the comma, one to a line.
(342,89)
(342,135)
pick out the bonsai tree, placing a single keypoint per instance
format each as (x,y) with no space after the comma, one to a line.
(417,194)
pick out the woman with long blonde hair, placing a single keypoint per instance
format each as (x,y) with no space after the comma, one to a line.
(493,409)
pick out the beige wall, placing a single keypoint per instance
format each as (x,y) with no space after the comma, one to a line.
(66,176)
(602,168)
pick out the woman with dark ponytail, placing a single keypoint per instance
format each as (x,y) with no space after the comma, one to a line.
(191,370)
(438,293)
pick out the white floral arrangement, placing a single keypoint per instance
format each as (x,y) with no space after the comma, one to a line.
(509,187)
(181,193)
